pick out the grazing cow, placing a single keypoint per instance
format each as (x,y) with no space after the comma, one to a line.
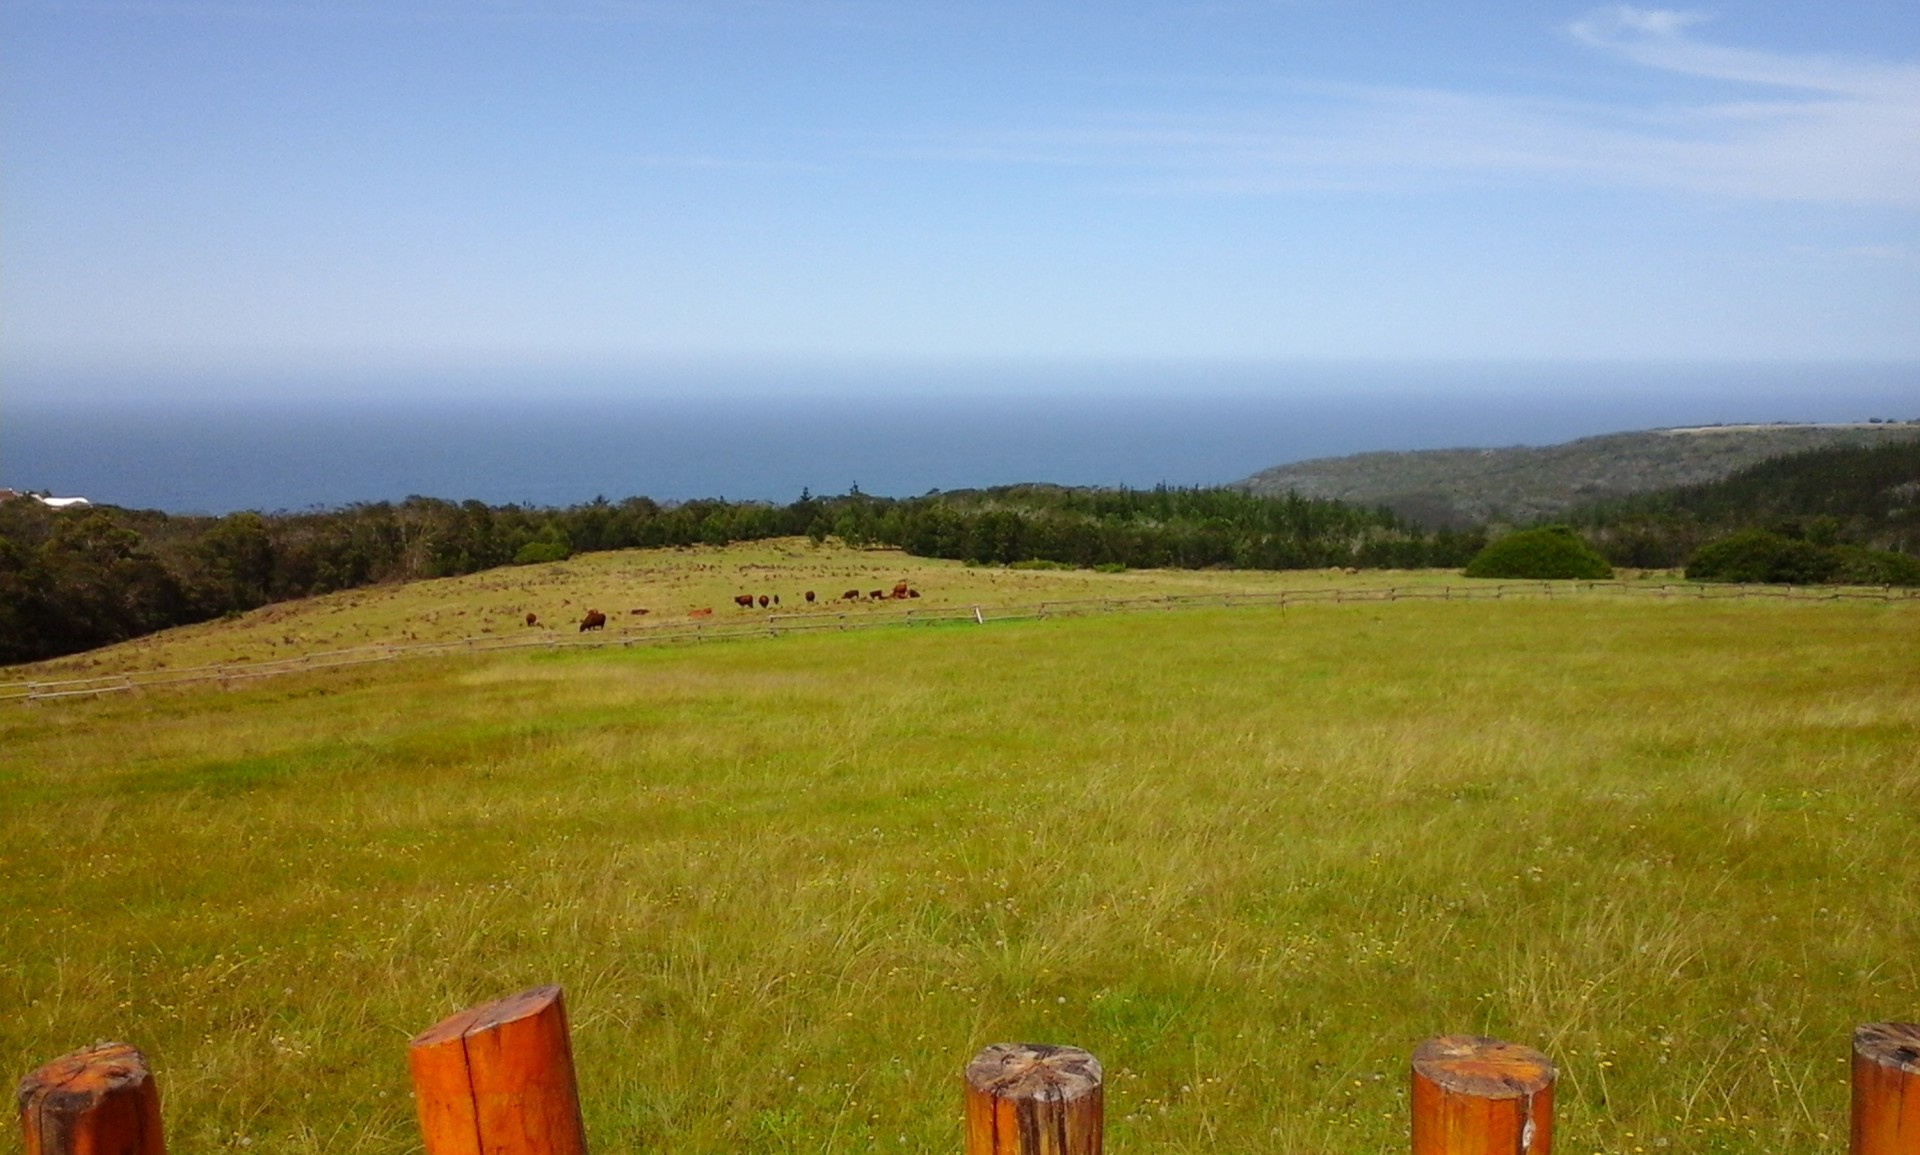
(533,619)
(809,597)
(701,613)
(763,601)
(595,620)
(776,599)
(876,595)
(913,593)
(744,601)
(850,596)
(900,590)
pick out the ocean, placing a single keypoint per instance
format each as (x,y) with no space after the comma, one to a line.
(563,443)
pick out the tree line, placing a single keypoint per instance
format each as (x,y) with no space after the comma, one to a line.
(75,579)
(1862,497)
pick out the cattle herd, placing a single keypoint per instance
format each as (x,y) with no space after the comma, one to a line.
(596,620)
(900,590)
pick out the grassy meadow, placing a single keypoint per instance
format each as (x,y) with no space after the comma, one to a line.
(1246,857)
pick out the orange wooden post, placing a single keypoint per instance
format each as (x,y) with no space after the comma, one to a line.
(97,1101)
(1886,1089)
(1033,1099)
(498,1080)
(1475,1096)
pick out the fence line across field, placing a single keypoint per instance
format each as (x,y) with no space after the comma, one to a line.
(499,1078)
(774,625)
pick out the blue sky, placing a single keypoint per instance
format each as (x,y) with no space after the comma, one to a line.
(416,186)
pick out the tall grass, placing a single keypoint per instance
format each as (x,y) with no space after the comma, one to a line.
(1247,858)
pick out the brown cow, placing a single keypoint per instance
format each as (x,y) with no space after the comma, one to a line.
(763,601)
(809,597)
(850,596)
(776,599)
(876,595)
(595,620)
(533,619)
(900,590)
(913,593)
(701,613)
(744,601)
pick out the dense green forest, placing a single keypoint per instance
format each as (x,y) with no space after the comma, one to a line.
(75,579)
(1865,497)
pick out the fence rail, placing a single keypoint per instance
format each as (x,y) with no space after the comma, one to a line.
(499,1078)
(774,625)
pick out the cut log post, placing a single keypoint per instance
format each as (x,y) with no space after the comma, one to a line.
(97,1101)
(1475,1096)
(498,1080)
(1886,1089)
(1033,1099)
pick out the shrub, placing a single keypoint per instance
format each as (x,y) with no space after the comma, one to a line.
(1553,551)
(535,552)
(1756,555)
(1873,567)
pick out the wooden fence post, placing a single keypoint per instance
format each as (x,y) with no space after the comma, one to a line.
(1476,1096)
(498,1080)
(1033,1099)
(1886,1089)
(97,1101)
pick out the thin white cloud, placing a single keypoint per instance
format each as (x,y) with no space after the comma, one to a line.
(1657,38)
(1829,128)
(1645,21)
(1808,128)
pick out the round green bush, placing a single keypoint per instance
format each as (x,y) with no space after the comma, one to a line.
(1554,551)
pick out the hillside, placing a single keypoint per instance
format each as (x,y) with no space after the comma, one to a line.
(1522,483)
(73,580)
(648,592)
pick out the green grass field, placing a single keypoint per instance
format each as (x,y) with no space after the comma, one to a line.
(1248,858)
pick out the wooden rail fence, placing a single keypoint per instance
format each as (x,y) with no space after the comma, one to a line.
(498,1079)
(774,625)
